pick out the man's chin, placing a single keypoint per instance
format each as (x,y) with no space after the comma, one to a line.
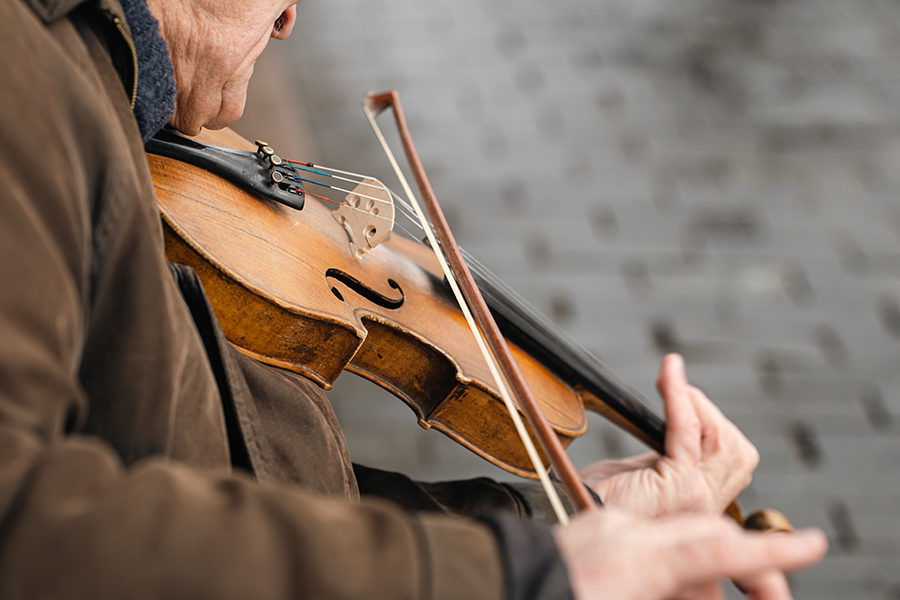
(184,127)
(222,122)
(192,126)
(229,113)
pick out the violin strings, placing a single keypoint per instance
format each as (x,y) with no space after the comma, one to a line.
(311,168)
(406,208)
(333,187)
(336,188)
(333,170)
(401,204)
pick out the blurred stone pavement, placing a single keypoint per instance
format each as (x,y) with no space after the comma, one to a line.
(714,177)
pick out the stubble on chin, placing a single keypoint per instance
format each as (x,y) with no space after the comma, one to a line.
(213,60)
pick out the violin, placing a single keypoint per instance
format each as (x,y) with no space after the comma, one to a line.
(297,285)
(288,292)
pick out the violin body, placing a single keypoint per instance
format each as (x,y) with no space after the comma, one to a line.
(288,291)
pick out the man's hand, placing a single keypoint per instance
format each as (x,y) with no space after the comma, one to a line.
(708,461)
(612,554)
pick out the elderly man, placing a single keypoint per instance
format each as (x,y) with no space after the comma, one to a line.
(140,456)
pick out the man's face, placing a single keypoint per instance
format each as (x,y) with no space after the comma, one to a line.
(213,45)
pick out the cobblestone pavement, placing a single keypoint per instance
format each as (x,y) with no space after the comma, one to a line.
(714,177)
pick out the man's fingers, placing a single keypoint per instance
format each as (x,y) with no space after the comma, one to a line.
(698,434)
(710,591)
(727,453)
(598,471)
(611,554)
(711,421)
(683,431)
(771,585)
(723,550)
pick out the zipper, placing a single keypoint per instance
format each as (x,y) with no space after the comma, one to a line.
(126,35)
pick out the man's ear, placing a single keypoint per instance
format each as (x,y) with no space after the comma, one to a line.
(283,26)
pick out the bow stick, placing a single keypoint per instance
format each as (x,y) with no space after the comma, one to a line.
(374,104)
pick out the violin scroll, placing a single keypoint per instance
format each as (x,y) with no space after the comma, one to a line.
(768,520)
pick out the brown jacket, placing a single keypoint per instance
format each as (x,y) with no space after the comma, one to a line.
(116,476)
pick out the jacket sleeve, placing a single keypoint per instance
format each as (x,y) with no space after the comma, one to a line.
(470,497)
(518,515)
(75,522)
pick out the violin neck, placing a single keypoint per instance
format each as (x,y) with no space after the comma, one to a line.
(574,364)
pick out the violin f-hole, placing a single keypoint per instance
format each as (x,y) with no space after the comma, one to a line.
(365,291)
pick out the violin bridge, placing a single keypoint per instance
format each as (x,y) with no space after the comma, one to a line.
(367,216)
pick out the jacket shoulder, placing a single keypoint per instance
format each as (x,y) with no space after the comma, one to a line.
(50,11)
